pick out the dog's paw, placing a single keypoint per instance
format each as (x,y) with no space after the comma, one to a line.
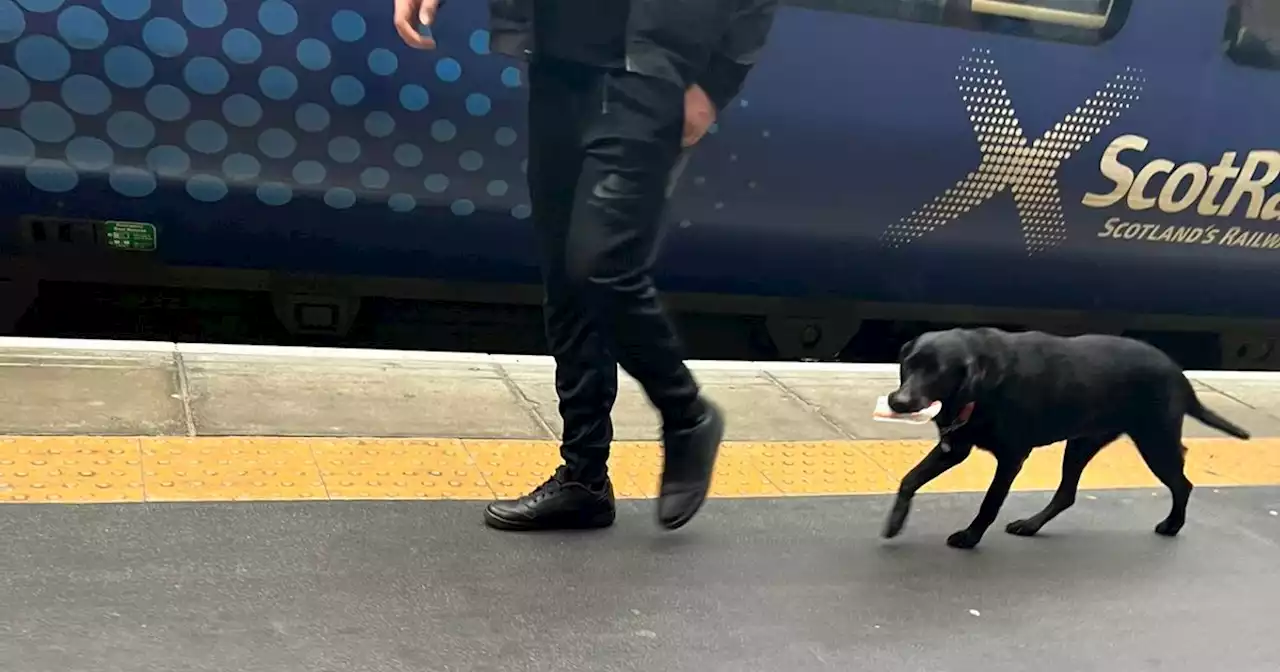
(964,539)
(893,526)
(1167,528)
(897,520)
(1022,528)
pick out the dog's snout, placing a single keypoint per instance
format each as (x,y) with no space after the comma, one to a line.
(900,402)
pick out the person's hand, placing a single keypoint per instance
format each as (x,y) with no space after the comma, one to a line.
(699,114)
(413,13)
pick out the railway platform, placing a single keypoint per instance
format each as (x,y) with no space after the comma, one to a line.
(211,507)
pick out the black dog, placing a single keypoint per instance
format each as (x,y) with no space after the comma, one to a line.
(1009,393)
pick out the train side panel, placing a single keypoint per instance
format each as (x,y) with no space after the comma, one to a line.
(869,158)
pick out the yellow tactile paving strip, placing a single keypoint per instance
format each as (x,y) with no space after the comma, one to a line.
(99,469)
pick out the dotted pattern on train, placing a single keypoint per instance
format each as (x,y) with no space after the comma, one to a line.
(279,99)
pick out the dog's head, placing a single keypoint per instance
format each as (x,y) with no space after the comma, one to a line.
(946,366)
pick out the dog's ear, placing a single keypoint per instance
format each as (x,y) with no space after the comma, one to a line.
(906,348)
(973,379)
(981,373)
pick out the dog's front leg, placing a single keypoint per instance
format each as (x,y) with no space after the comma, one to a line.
(943,457)
(1007,469)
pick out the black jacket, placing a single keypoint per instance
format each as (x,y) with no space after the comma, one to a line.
(713,43)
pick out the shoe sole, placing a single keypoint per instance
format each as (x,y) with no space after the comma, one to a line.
(702,498)
(596,522)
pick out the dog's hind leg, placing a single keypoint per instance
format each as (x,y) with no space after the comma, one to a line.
(1164,454)
(1075,458)
(936,463)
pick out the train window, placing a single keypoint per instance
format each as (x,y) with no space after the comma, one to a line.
(1253,33)
(924,11)
(1075,21)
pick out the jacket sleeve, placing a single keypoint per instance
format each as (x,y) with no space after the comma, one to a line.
(731,62)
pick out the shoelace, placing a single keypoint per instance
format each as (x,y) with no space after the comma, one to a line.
(550,486)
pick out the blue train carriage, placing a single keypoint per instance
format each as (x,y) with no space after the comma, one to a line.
(1065,164)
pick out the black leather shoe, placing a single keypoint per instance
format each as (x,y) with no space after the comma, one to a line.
(559,504)
(689,461)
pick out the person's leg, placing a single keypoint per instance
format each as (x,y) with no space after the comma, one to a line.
(586,377)
(631,145)
(586,370)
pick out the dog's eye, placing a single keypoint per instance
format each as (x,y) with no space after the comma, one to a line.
(921,363)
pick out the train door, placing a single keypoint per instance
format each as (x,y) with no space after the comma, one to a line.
(1242,105)
(951,130)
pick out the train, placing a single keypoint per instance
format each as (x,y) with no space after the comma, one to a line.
(1105,165)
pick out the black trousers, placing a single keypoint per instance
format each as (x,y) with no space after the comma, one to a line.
(602,145)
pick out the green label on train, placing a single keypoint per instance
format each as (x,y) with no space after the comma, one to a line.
(132,236)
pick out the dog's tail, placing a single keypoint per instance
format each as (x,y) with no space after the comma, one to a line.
(1198,411)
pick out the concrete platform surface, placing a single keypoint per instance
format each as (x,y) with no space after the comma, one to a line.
(752,585)
(109,388)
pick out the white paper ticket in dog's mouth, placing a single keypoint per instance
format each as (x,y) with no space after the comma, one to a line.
(925,415)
